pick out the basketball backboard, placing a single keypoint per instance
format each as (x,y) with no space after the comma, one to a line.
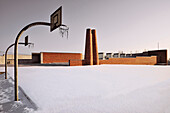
(56,19)
(26,40)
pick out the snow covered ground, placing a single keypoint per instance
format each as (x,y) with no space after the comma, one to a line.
(97,89)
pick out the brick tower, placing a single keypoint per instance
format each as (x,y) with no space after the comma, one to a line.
(88,48)
(95,48)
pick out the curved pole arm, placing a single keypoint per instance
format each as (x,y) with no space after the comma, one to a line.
(16,53)
(6,57)
(25,28)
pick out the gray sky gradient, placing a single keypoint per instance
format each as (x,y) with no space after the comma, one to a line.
(122,25)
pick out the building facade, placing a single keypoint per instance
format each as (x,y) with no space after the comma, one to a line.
(92,57)
(145,58)
(10,58)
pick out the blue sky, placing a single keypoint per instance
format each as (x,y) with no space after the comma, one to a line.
(122,25)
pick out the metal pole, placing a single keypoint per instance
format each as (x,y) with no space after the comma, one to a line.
(6,57)
(6,60)
(16,53)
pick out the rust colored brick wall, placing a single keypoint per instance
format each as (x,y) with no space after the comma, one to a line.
(89,48)
(146,60)
(75,62)
(95,48)
(131,61)
(60,57)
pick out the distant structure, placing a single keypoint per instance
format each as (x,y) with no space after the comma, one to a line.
(91,49)
(51,58)
(145,58)
(95,48)
(160,54)
(92,56)
(108,55)
(101,55)
(10,59)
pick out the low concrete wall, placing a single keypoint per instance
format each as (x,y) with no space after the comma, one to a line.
(11,58)
(131,61)
(78,62)
(75,62)
(35,59)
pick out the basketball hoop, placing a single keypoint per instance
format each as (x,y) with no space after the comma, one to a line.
(30,45)
(64,30)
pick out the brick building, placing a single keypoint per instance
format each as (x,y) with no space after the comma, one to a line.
(51,58)
(91,56)
(161,56)
(10,58)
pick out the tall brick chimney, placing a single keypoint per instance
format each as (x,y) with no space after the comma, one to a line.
(95,48)
(88,48)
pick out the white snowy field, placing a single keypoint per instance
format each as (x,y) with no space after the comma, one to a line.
(97,89)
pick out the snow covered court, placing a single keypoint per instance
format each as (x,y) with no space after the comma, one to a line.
(97,89)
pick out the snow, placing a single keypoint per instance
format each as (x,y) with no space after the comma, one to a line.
(1,108)
(5,92)
(97,89)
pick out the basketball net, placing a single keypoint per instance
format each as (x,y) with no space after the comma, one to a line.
(64,30)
